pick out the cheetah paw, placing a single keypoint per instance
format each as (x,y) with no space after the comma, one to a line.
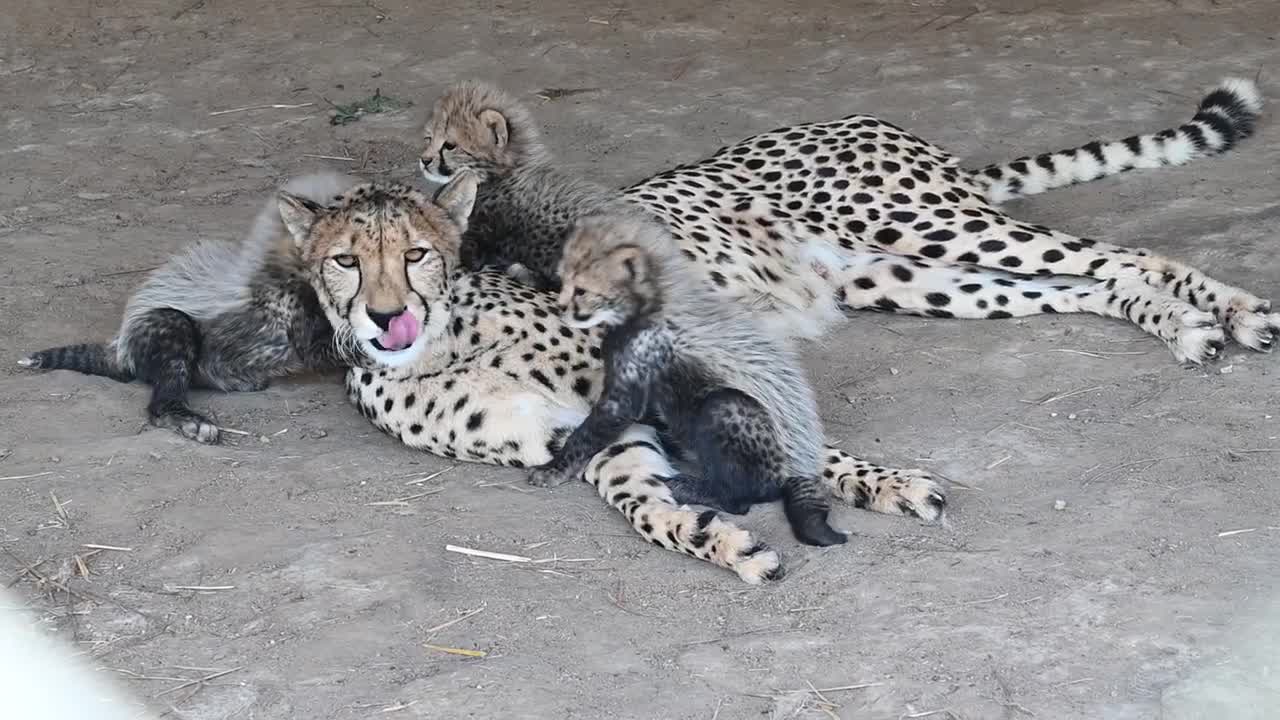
(1256,328)
(911,492)
(759,564)
(193,427)
(1197,337)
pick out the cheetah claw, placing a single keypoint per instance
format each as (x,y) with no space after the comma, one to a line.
(1199,338)
(1256,330)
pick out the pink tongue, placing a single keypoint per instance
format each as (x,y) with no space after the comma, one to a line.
(401,333)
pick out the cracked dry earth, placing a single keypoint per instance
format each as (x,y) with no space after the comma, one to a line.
(1134,600)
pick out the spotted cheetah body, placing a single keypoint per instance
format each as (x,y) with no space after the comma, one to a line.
(806,223)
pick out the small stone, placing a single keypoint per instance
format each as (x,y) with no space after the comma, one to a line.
(320,434)
(1227,370)
(1053,414)
(1059,504)
(893,371)
(1072,416)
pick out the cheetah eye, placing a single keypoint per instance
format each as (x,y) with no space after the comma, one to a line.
(414,255)
(346,261)
(450,147)
(579,292)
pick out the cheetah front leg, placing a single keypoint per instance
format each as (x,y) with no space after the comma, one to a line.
(885,282)
(496,420)
(631,476)
(892,491)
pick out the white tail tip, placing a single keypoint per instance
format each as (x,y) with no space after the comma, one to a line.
(27,362)
(1246,90)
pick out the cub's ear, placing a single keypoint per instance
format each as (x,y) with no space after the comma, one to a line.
(633,261)
(497,124)
(458,198)
(298,215)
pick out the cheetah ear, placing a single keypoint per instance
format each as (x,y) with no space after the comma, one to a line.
(497,124)
(632,260)
(458,198)
(298,215)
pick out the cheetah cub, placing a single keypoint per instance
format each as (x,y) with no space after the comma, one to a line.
(726,390)
(525,206)
(218,315)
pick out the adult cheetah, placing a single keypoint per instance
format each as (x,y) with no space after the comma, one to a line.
(804,223)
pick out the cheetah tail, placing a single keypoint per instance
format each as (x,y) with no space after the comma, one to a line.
(88,358)
(807,503)
(1225,116)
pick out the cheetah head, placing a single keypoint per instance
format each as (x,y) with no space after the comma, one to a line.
(479,127)
(606,277)
(379,259)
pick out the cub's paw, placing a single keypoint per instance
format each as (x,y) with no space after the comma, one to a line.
(189,425)
(549,476)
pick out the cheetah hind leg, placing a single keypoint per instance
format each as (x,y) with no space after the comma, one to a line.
(163,346)
(892,491)
(631,475)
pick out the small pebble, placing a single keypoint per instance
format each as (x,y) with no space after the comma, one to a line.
(1059,504)
(1227,370)
(1072,416)
(893,371)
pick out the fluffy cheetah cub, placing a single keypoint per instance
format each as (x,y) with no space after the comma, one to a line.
(218,315)
(525,206)
(727,391)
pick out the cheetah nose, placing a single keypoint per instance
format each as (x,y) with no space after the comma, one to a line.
(383,319)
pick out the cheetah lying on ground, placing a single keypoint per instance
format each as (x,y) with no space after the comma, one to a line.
(806,222)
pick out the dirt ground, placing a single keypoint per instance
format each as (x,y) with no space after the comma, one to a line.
(1135,600)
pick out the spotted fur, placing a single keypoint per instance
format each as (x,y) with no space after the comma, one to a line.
(720,384)
(1226,115)
(218,315)
(526,205)
(849,214)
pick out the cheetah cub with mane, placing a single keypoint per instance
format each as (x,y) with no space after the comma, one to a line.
(219,315)
(725,389)
(525,206)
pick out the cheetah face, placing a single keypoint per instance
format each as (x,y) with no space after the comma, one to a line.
(478,127)
(461,135)
(379,260)
(601,287)
(585,309)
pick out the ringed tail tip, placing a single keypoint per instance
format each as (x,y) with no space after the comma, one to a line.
(1245,90)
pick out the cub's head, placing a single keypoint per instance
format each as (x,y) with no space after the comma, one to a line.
(379,259)
(479,127)
(606,273)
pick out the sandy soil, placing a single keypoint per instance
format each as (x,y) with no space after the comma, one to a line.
(1132,602)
